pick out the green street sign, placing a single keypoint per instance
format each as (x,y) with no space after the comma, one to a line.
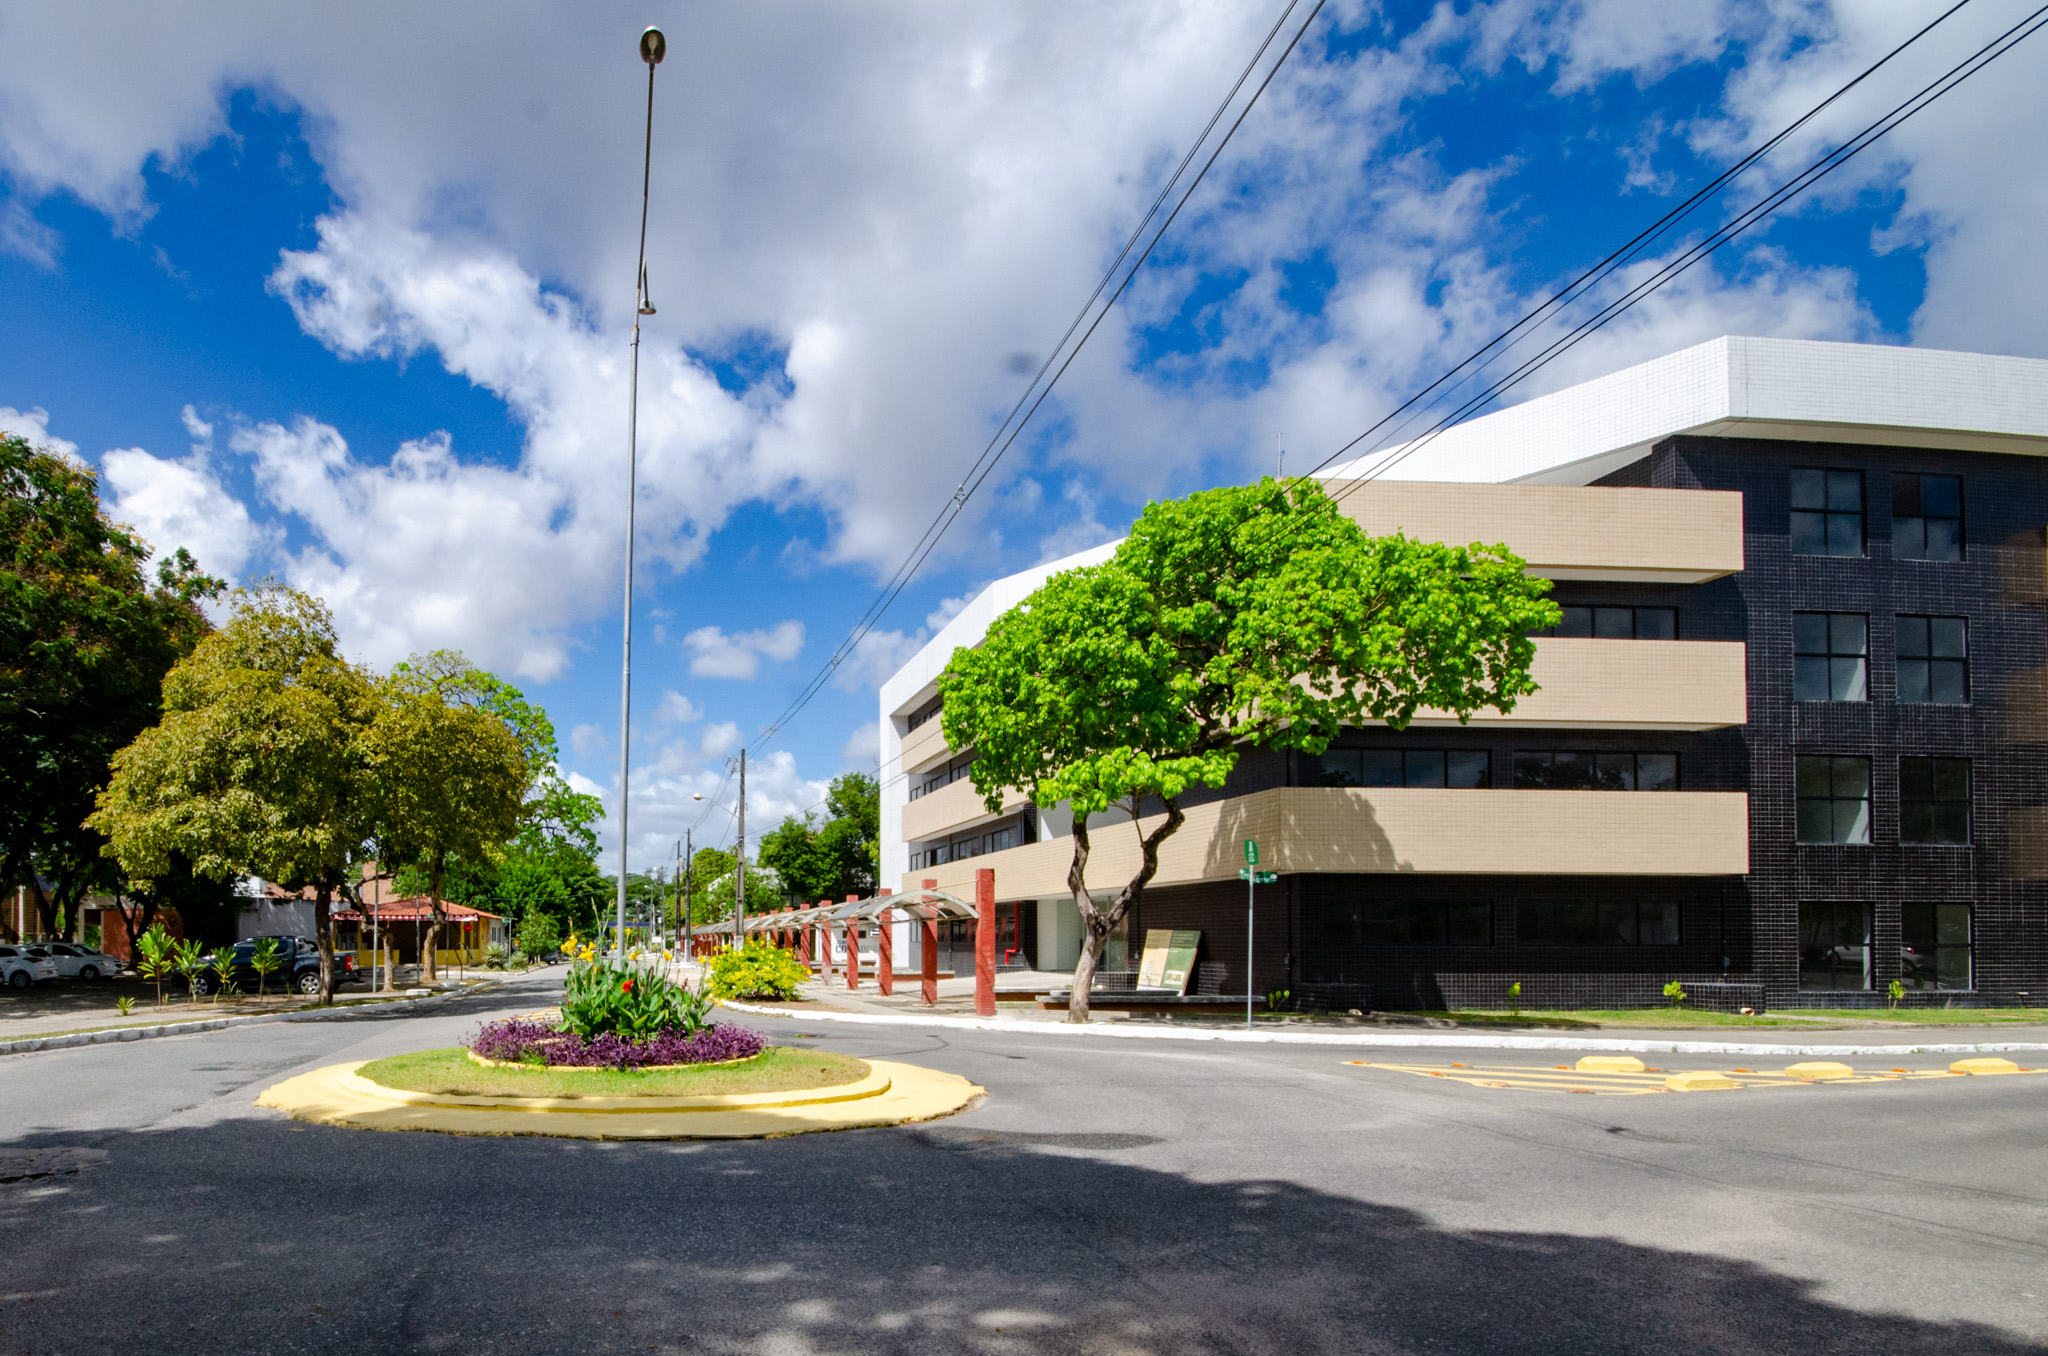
(1257,877)
(1251,852)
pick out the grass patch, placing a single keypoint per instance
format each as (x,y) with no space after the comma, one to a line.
(451,1072)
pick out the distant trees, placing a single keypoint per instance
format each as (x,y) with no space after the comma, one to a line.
(85,641)
(835,857)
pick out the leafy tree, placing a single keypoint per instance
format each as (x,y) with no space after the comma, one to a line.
(266,958)
(836,858)
(539,935)
(85,642)
(156,957)
(447,758)
(1244,617)
(258,765)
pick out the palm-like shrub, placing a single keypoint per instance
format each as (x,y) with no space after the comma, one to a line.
(637,1002)
(266,958)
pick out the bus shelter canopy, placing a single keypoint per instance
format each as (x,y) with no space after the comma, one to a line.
(924,906)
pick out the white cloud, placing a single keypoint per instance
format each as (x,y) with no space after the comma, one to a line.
(863,746)
(676,709)
(34,425)
(714,654)
(719,739)
(181,503)
(589,740)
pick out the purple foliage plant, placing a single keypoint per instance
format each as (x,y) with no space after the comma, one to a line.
(521,1040)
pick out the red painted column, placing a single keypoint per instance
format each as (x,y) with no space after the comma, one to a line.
(928,952)
(824,945)
(803,944)
(853,947)
(885,947)
(985,942)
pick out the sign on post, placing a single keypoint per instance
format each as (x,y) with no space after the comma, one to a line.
(1251,852)
(1257,877)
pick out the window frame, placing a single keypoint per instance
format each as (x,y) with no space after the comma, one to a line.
(1933,946)
(1837,910)
(1829,656)
(1801,799)
(1827,512)
(1904,622)
(1550,934)
(1408,758)
(1635,769)
(1918,480)
(1936,764)
(1592,628)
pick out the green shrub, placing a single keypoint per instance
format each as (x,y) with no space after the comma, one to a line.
(1894,994)
(539,933)
(267,958)
(496,957)
(156,955)
(636,1002)
(757,970)
(1675,993)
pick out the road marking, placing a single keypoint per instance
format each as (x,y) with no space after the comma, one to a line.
(1622,1083)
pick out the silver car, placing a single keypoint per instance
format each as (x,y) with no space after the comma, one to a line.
(75,961)
(23,966)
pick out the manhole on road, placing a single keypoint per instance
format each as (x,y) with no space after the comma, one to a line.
(1646,1080)
(29,1165)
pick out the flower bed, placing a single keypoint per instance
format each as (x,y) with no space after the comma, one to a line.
(520,1040)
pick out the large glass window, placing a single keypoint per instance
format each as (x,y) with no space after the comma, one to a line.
(1834,946)
(1934,800)
(1934,660)
(1570,770)
(1934,946)
(1459,768)
(1834,799)
(1596,922)
(1616,623)
(1829,656)
(1827,513)
(1927,516)
(1421,922)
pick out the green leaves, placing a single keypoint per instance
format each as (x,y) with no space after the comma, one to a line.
(836,858)
(756,970)
(637,1002)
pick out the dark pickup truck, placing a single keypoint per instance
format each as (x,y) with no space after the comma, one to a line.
(298,968)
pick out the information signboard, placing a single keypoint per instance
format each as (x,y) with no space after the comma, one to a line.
(1169,960)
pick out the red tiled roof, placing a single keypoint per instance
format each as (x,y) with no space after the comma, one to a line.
(412,910)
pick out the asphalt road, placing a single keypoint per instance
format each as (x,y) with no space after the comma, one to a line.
(1114,1198)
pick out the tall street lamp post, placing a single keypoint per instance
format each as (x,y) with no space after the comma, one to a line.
(653,47)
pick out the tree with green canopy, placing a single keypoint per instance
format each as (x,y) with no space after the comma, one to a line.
(1236,618)
(449,759)
(85,641)
(837,857)
(258,765)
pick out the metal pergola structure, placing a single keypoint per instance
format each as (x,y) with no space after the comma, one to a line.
(922,906)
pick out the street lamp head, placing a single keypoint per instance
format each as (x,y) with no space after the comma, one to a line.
(646,303)
(653,47)
(696,795)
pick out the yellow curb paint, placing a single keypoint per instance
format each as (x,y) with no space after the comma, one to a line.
(1700,1081)
(892,1094)
(1819,1068)
(1610,1064)
(1984,1066)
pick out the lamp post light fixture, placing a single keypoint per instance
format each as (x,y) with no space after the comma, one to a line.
(653,47)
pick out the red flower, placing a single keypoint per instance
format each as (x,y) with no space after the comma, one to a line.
(626,987)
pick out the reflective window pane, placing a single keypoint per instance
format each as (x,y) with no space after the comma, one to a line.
(1379,767)
(1614,623)
(1423,768)
(1657,772)
(1656,623)
(1659,923)
(1468,768)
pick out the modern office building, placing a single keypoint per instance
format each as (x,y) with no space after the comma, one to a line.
(1788,747)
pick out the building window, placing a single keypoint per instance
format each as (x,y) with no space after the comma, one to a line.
(1927,516)
(1569,770)
(1934,800)
(1420,922)
(1834,799)
(1934,660)
(919,717)
(1834,946)
(1829,655)
(1458,768)
(945,776)
(1934,946)
(1827,513)
(1616,623)
(1596,922)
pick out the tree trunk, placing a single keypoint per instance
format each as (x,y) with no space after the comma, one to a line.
(1096,925)
(430,971)
(323,938)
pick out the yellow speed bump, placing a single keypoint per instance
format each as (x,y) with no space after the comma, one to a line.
(1610,1064)
(1984,1066)
(1700,1080)
(1819,1068)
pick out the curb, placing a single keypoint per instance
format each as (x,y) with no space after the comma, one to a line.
(1447,1041)
(109,1035)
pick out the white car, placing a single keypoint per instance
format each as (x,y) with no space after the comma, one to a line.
(82,962)
(21,969)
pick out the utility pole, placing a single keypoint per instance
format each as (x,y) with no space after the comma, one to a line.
(652,48)
(690,860)
(739,880)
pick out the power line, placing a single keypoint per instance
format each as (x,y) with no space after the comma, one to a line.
(1637,245)
(1041,386)
(1722,235)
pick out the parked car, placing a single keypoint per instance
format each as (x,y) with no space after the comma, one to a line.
(21,966)
(298,968)
(83,962)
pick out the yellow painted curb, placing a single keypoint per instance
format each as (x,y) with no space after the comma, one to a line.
(891,1094)
(1610,1064)
(1700,1081)
(1819,1068)
(1984,1066)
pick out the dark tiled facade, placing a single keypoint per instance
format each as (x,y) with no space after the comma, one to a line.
(1739,939)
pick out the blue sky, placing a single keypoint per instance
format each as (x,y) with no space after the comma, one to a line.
(342,297)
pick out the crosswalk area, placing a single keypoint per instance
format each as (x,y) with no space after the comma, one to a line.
(1627,1076)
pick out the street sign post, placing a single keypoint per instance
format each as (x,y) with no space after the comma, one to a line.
(1251,852)
(1252,879)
